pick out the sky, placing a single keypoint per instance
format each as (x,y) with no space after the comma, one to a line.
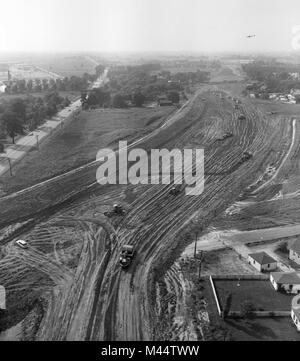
(147,25)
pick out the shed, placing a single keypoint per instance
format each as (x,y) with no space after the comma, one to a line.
(262,262)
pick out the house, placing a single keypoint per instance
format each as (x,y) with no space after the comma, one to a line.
(164,101)
(294,254)
(295,313)
(288,282)
(262,262)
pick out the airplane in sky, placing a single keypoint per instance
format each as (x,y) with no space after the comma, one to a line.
(251,36)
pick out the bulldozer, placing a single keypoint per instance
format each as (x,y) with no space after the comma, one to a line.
(116,211)
(127,254)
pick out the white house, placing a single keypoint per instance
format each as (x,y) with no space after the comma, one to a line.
(286,281)
(295,313)
(294,253)
(262,262)
(2,87)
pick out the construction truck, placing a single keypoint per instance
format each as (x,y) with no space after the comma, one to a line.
(242,117)
(126,256)
(116,211)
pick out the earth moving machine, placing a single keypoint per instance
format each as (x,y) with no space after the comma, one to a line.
(126,256)
(242,117)
(175,189)
(225,136)
(246,156)
(116,211)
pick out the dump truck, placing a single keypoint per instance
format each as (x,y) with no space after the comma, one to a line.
(127,254)
(116,211)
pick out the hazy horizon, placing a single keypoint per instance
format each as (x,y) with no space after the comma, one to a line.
(148,26)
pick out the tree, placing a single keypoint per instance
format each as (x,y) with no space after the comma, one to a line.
(99,70)
(83,98)
(13,124)
(248,309)
(118,101)
(228,302)
(138,99)
(98,97)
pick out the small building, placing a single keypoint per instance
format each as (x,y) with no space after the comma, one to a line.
(288,282)
(163,101)
(262,262)
(294,253)
(295,313)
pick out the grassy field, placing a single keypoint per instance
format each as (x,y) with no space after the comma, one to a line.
(259,292)
(79,142)
(263,329)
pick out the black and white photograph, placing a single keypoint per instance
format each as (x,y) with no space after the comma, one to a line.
(149,173)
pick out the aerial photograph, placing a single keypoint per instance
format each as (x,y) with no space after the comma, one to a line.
(150,172)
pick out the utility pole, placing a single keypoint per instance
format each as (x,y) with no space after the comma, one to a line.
(37,142)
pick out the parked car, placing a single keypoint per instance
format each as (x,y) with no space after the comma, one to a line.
(22,244)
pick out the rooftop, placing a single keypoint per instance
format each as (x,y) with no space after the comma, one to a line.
(262,258)
(291,278)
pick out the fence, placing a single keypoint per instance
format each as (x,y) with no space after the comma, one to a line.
(238,314)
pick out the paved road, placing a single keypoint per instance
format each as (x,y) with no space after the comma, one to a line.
(15,152)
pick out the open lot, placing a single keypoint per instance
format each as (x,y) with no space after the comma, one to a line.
(259,292)
(66,65)
(80,140)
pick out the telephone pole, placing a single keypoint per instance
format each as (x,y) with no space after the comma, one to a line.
(37,142)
